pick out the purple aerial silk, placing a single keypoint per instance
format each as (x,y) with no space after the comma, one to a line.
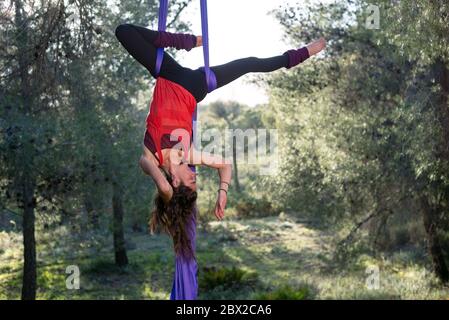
(211,79)
(162,24)
(185,281)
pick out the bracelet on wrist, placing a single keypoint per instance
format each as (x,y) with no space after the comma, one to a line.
(221,189)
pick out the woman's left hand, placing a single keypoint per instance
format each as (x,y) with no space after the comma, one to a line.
(220,205)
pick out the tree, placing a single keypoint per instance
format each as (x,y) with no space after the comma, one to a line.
(29,75)
(229,112)
(422,32)
(67,114)
(367,109)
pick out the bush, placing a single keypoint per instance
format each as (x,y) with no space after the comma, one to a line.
(286,293)
(103,267)
(403,230)
(253,207)
(225,278)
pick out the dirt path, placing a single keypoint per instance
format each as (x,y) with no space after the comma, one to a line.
(274,246)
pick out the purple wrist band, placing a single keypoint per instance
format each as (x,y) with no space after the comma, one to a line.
(295,57)
(178,40)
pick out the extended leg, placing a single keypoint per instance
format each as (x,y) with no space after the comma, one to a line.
(230,71)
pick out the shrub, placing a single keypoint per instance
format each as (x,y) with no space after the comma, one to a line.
(286,293)
(103,267)
(253,207)
(227,278)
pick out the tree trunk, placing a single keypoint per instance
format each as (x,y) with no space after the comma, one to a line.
(442,111)
(92,214)
(29,242)
(235,169)
(26,181)
(443,107)
(234,158)
(121,259)
(435,250)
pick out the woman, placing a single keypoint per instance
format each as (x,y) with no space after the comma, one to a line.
(169,123)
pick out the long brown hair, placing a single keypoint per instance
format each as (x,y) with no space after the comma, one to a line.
(173,217)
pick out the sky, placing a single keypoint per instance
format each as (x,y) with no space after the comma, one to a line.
(237,29)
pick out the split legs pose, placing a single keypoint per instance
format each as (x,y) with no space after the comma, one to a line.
(142,44)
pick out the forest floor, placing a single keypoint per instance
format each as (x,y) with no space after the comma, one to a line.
(269,253)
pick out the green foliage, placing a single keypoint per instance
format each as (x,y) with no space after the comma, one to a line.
(286,292)
(363,132)
(102,267)
(226,278)
(364,129)
(247,206)
(149,274)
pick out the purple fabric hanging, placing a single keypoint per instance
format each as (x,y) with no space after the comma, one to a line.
(210,76)
(162,22)
(185,278)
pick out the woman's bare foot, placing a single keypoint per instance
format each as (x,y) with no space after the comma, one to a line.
(199,41)
(316,46)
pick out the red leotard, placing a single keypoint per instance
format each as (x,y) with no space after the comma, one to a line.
(171,108)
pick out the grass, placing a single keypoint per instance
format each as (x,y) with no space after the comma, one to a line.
(261,258)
